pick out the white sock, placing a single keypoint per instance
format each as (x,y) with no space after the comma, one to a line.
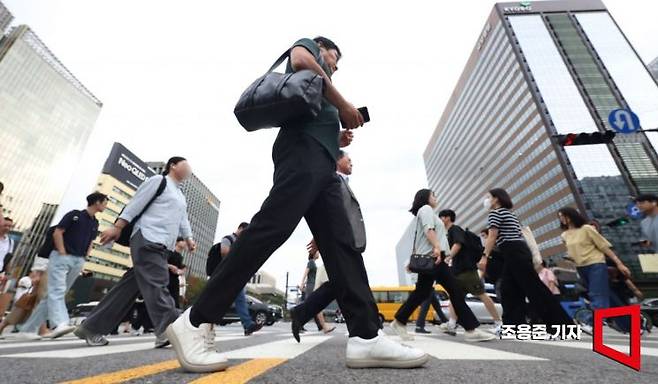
(498,323)
(452,323)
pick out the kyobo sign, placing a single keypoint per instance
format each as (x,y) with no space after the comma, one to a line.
(523,7)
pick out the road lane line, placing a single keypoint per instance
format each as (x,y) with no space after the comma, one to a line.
(127,374)
(451,350)
(241,373)
(268,355)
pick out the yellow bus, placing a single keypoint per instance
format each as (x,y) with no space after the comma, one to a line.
(389,300)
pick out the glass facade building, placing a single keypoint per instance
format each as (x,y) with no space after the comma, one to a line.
(203,213)
(5,18)
(46,117)
(540,69)
(653,68)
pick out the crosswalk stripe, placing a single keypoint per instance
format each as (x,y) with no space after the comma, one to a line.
(84,351)
(645,351)
(451,350)
(287,349)
(67,341)
(266,356)
(127,374)
(241,373)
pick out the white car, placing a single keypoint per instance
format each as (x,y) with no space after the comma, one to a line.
(478,308)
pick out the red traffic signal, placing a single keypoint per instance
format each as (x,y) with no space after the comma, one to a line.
(586,138)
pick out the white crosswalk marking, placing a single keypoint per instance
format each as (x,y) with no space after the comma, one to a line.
(451,350)
(285,349)
(645,351)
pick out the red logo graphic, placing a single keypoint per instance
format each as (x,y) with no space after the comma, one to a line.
(634,359)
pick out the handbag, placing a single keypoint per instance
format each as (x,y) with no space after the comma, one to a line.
(127,231)
(276,98)
(421,263)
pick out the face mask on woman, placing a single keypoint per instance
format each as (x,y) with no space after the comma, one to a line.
(486,203)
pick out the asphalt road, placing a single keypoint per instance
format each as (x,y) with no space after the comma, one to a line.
(272,356)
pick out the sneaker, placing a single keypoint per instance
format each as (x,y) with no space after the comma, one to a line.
(422,330)
(92,339)
(254,327)
(24,336)
(138,332)
(401,330)
(195,347)
(382,352)
(448,329)
(496,330)
(477,335)
(60,331)
(161,341)
(588,329)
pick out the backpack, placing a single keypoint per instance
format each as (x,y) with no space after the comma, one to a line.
(474,245)
(215,256)
(48,243)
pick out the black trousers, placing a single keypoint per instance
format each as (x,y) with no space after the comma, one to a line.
(520,280)
(314,303)
(425,285)
(425,307)
(305,186)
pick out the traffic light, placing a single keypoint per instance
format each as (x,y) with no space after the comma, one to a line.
(586,138)
(618,222)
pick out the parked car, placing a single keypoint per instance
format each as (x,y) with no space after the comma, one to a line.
(259,312)
(80,312)
(277,314)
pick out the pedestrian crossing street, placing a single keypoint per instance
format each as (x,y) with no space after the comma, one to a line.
(437,345)
(277,347)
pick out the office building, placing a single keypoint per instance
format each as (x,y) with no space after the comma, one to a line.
(122,173)
(46,117)
(5,18)
(203,213)
(538,70)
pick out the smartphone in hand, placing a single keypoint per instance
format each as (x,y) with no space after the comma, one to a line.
(364,112)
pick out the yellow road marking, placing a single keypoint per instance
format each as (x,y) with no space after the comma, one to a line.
(241,373)
(127,374)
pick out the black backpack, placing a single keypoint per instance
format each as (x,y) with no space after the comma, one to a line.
(48,243)
(473,245)
(215,256)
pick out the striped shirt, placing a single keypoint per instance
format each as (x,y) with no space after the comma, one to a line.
(509,228)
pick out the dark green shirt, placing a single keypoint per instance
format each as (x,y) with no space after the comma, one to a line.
(326,126)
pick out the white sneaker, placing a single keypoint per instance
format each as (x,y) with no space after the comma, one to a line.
(496,329)
(401,330)
(195,347)
(24,336)
(448,329)
(382,352)
(60,331)
(477,335)
(588,329)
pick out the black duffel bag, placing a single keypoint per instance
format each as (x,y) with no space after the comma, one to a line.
(277,98)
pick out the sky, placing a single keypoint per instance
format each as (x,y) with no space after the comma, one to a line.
(170,72)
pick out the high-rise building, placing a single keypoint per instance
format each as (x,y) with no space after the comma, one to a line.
(653,68)
(203,213)
(32,239)
(46,117)
(5,18)
(538,70)
(122,173)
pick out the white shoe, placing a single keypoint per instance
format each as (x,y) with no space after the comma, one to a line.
(24,336)
(195,347)
(60,331)
(496,330)
(448,329)
(401,330)
(477,335)
(588,329)
(382,352)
